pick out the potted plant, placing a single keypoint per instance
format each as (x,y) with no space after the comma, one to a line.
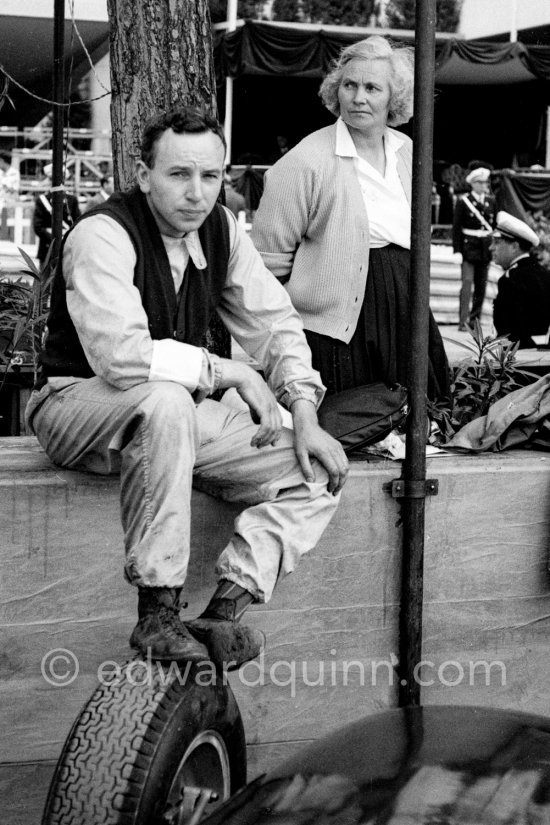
(24,300)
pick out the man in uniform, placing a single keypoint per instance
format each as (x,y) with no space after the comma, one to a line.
(522,305)
(42,221)
(126,382)
(472,226)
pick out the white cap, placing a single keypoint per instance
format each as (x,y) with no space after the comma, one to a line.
(512,229)
(48,169)
(480,174)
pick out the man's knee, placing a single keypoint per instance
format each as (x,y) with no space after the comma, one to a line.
(155,393)
(165,405)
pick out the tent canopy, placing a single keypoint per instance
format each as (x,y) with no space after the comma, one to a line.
(27,55)
(303,50)
(490,102)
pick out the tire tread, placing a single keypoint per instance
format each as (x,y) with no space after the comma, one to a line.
(111,747)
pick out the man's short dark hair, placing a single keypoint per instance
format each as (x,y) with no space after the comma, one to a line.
(186,119)
(5,156)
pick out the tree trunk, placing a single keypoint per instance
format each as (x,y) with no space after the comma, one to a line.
(161,57)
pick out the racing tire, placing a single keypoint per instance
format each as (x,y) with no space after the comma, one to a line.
(148,748)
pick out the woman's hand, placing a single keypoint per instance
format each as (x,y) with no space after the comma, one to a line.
(310,440)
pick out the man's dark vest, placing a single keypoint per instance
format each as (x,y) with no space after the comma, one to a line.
(185,320)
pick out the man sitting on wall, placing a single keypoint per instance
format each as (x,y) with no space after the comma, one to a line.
(126,382)
(522,305)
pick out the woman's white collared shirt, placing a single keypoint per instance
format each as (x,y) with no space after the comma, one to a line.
(387,207)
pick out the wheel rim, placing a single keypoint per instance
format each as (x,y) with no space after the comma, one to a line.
(203,767)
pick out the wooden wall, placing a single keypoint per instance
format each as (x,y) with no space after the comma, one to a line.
(331,626)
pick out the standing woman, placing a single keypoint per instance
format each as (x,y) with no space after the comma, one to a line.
(334,224)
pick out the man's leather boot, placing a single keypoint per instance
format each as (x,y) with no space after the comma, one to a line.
(229,644)
(160,633)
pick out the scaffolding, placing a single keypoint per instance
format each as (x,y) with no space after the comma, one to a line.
(31,150)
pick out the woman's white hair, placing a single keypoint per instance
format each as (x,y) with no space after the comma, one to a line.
(376,47)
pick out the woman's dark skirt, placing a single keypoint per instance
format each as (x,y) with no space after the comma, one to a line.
(379,349)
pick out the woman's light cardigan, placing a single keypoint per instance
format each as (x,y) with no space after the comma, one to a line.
(312,225)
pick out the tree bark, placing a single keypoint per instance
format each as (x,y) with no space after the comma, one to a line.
(161,57)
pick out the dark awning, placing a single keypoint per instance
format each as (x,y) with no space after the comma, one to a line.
(26,54)
(298,50)
(519,192)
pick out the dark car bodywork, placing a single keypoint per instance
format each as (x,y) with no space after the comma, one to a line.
(435,764)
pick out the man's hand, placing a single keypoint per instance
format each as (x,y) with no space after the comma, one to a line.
(261,401)
(311,440)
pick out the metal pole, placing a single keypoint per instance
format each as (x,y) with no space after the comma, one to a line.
(228,120)
(414,469)
(57,127)
(514,22)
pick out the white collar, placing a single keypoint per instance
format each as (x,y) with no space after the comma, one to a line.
(519,257)
(192,243)
(345,147)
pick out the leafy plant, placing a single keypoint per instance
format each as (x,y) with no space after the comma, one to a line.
(342,13)
(401,14)
(24,300)
(489,373)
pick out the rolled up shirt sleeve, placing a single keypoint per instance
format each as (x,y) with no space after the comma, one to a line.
(106,309)
(259,314)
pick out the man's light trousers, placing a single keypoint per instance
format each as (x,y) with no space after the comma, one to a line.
(163,444)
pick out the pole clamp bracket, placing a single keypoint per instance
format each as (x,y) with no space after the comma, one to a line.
(399,488)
